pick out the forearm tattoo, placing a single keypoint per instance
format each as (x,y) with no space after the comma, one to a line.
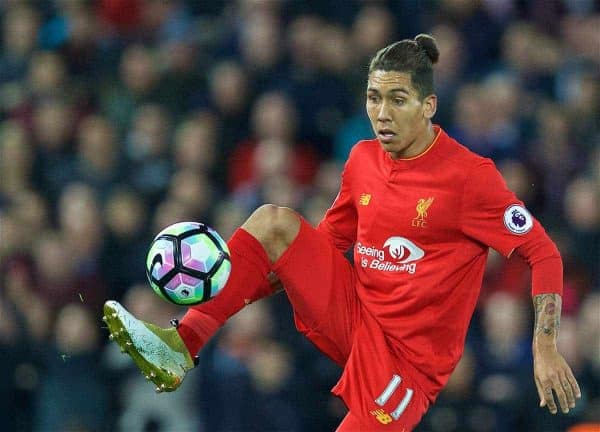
(547,314)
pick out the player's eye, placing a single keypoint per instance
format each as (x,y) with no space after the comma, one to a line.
(399,101)
(373,98)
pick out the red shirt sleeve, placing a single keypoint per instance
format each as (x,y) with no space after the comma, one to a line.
(546,265)
(340,220)
(494,216)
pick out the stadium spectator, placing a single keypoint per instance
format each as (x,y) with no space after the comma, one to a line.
(196,142)
(138,84)
(147,151)
(229,96)
(68,397)
(126,217)
(16,160)
(20,26)
(274,150)
(98,157)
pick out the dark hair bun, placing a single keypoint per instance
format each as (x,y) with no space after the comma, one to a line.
(427,44)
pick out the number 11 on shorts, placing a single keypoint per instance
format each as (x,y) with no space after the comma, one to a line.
(385,396)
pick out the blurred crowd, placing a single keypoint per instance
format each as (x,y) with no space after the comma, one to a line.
(119,117)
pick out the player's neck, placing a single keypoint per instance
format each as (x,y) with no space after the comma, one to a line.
(420,145)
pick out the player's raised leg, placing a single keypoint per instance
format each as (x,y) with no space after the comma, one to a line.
(165,355)
(260,241)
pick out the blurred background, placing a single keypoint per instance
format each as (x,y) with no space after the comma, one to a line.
(119,117)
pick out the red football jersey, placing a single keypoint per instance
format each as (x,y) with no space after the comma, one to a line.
(421,229)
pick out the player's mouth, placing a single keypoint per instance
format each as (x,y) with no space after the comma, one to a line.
(386,135)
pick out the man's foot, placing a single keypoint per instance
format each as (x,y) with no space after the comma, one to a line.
(160,354)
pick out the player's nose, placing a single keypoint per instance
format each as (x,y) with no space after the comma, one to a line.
(383,115)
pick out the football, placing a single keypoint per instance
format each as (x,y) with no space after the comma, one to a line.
(188,263)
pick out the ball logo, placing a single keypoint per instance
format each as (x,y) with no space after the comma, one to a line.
(157,263)
(517,219)
(403,250)
(163,261)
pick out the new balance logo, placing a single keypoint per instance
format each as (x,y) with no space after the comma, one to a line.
(382,417)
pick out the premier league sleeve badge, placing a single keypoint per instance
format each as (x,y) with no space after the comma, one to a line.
(517,219)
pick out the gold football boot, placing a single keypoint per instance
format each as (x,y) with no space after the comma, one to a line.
(160,354)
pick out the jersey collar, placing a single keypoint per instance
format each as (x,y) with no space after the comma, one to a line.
(434,148)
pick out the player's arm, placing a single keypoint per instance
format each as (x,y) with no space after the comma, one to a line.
(493,215)
(551,371)
(552,374)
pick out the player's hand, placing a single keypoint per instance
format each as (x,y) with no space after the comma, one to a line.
(553,374)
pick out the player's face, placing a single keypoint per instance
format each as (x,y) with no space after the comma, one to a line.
(400,119)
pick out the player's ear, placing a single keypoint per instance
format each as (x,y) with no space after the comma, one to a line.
(429,106)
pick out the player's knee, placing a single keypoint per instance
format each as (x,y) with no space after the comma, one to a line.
(271,221)
(274,227)
(285,224)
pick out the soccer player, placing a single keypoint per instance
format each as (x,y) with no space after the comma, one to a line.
(420,212)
